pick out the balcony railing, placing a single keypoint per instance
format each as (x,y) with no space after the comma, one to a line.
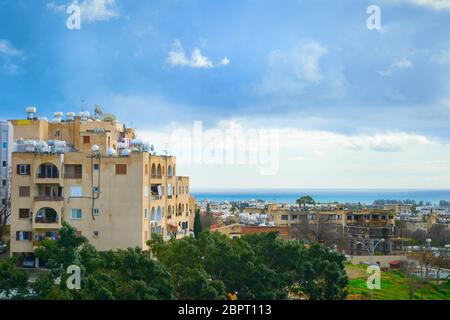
(156,197)
(48,198)
(46,220)
(47,176)
(156,176)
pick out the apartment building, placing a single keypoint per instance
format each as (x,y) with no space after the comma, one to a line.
(93,173)
(5,158)
(349,226)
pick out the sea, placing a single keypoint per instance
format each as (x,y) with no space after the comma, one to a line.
(363,196)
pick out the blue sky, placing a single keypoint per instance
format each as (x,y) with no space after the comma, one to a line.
(310,69)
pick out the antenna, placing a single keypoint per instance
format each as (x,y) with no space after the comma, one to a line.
(98,110)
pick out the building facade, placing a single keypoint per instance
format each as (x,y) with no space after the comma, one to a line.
(5,158)
(93,173)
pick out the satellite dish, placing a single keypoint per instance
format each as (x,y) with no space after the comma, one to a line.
(109,117)
(98,110)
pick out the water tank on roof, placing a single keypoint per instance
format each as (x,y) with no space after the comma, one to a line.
(112,152)
(70,116)
(125,153)
(84,115)
(31,111)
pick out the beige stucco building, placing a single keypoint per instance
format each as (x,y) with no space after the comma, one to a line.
(93,173)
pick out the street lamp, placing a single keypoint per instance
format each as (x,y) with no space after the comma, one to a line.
(371,251)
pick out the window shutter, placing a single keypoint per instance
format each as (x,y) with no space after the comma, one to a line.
(28,169)
(30,236)
(17,235)
(18,169)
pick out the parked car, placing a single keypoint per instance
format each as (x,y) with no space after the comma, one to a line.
(28,262)
(2,248)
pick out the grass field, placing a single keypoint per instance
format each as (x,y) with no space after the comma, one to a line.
(394,286)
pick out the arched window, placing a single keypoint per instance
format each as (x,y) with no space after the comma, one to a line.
(179,208)
(169,211)
(158,171)
(159,214)
(153,217)
(46,215)
(153,171)
(170,171)
(48,171)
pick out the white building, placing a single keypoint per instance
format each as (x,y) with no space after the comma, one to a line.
(5,158)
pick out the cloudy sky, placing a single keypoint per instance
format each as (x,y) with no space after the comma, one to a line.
(332,103)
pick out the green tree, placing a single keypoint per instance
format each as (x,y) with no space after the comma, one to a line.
(197,223)
(123,274)
(305,200)
(13,283)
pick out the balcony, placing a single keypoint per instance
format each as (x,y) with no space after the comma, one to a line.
(48,174)
(47,218)
(48,198)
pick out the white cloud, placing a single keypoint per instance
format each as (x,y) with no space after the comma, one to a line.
(290,71)
(434,4)
(91,10)
(177,57)
(312,158)
(399,64)
(8,58)
(7,49)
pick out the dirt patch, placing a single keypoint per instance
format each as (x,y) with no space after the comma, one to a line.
(355,273)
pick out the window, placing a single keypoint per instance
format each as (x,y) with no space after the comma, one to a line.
(4,164)
(24,192)
(4,182)
(75,214)
(24,213)
(86,139)
(95,234)
(76,192)
(96,212)
(23,169)
(73,171)
(48,171)
(284,217)
(121,169)
(145,214)
(23,236)
(58,133)
(4,145)
(146,192)
(96,166)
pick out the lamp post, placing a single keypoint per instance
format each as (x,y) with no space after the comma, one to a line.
(372,250)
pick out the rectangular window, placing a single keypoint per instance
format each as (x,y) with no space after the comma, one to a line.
(4,145)
(23,169)
(96,166)
(4,164)
(284,217)
(73,171)
(4,182)
(95,234)
(75,214)
(86,139)
(24,192)
(24,213)
(121,169)
(145,214)
(146,192)
(23,236)
(96,212)
(76,192)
